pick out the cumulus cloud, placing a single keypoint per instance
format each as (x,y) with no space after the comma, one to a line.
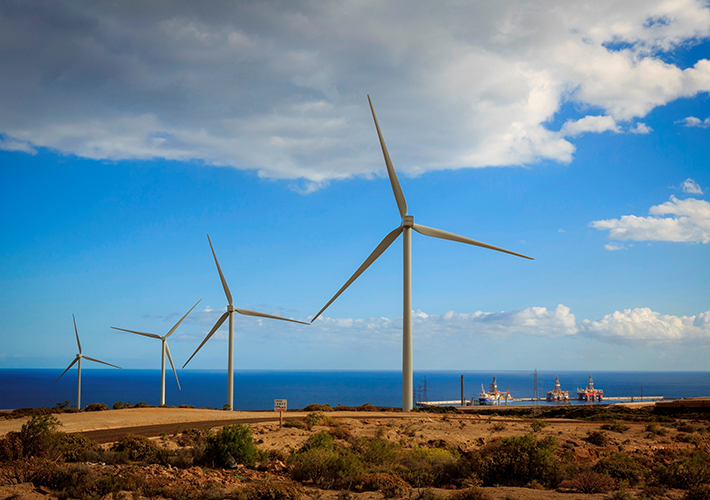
(10,144)
(641,128)
(675,220)
(691,187)
(640,326)
(647,326)
(280,88)
(589,124)
(692,121)
(614,246)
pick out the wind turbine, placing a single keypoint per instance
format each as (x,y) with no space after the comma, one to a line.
(230,314)
(165,350)
(78,359)
(405,228)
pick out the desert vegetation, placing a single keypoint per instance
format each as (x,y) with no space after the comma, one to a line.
(423,457)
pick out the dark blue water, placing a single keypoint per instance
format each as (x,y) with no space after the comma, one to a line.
(256,390)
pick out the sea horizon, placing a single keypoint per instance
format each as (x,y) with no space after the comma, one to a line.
(257,389)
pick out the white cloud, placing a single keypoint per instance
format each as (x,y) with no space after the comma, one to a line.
(692,121)
(643,325)
(9,144)
(597,124)
(691,187)
(281,88)
(614,246)
(688,221)
(641,128)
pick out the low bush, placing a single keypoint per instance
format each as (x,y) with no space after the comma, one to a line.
(620,495)
(686,427)
(75,447)
(389,485)
(597,438)
(141,404)
(622,467)
(655,430)
(268,490)
(701,492)
(473,493)
(232,445)
(314,407)
(323,440)
(686,473)
(517,460)
(616,426)
(317,418)
(135,447)
(329,468)
(191,437)
(537,425)
(96,407)
(431,467)
(589,481)
(118,405)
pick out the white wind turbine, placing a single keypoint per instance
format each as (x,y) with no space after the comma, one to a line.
(405,228)
(78,359)
(165,350)
(230,313)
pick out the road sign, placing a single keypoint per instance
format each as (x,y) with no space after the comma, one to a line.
(279,405)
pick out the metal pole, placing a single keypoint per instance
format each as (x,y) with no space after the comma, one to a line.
(162,376)
(230,361)
(78,386)
(407,369)
(463,399)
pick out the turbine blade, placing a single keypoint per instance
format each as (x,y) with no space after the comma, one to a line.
(170,358)
(77,333)
(178,323)
(151,335)
(70,365)
(214,329)
(398,194)
(384,244)
(221,276)
(444,235)
(102,362)
(247,312)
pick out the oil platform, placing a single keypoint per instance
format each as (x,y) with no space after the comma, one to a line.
(557,394)
(589,393)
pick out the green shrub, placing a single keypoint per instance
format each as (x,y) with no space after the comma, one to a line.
(621,466)
(538,425)
(597,438)
(655,430)
(389,485)
(322,440)
(96,407)
(517,460)
(118,405)
(191,437)
(38,435)
(317,418)
(686,427)
(75,447)
(687,473)
(616,426)
(430,467)
(498,427)
(136,447)
(141,404)
(232,445)
(334,468)
(429,494)
(340,433)
(11,447)
(619,495)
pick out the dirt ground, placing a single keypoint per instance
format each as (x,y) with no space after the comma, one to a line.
(464,431)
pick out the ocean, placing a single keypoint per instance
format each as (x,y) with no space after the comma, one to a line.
(256,390)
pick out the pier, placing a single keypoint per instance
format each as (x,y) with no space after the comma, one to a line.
(502,402)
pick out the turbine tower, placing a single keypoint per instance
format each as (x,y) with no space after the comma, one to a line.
(78,359)
(165,350)
(405,228)
(230,314)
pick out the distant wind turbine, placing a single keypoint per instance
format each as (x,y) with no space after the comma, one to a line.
(78,359)
(230,313)
(165,350)
(405,227)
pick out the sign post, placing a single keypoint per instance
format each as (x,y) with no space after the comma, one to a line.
(280,406)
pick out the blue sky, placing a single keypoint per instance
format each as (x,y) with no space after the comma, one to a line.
(576,133)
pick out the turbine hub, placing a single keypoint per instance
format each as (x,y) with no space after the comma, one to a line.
(408,221)
(230,308)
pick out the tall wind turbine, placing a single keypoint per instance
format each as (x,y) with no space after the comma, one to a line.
(165,350)
(78,359)
(405,228)
(230,314)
